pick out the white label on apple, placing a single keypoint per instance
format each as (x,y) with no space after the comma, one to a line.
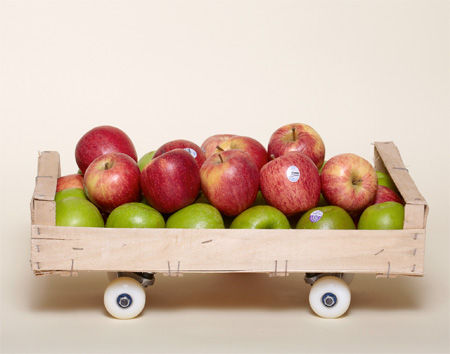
(192,152)
(292,173)
(316,215)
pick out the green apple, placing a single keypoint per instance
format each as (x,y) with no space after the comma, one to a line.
(382,216)
(385,179)
(202,199)
(259,199)
(196,216)
(322,201)
(79,212)
(144,200)
(330,217)
(70,192)
(145,159)
(135,215)
(261,217)
(321,168)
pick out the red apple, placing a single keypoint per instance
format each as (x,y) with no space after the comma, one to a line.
(99,141)
(230,181)
(350,182)
(210,144)
(291,183)
(385,194)
(251,146)
(171,181)
(111,180)
(297,137)
(196,151)
(69,181)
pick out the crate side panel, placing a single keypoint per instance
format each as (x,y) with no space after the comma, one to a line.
(63,249)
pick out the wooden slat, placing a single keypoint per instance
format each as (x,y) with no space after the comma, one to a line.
(415,216)
(43,212)
(48,173)
(176,251)
(392,160)
(388,159)
(42,205)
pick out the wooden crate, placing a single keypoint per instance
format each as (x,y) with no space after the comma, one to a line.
(387,253)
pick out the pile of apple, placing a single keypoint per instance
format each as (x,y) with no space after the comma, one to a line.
(227,181)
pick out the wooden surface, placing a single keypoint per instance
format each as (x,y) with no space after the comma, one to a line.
(42,202)
(388,159)
(278,252)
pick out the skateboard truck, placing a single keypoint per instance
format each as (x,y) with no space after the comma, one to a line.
(311,278)
(144,278)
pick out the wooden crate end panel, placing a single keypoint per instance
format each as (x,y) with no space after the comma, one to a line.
(49,164)
(42,205)
(392,162)
(378,161)
(43,212)
(415,216)
(388,159)
(49,170)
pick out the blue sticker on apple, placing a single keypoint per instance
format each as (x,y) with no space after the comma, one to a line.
(293,173)
(192,152)
(316,215)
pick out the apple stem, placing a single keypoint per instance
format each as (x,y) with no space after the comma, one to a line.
(219,148)
(293,134)
(220,156)
(357,181)
(108,165)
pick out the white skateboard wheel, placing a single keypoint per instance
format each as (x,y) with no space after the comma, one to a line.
(124,298)
(330,297)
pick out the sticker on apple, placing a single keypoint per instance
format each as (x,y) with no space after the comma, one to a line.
(293,173)
(316,215)
(192,152)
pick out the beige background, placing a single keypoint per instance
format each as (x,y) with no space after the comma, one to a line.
(357,71)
